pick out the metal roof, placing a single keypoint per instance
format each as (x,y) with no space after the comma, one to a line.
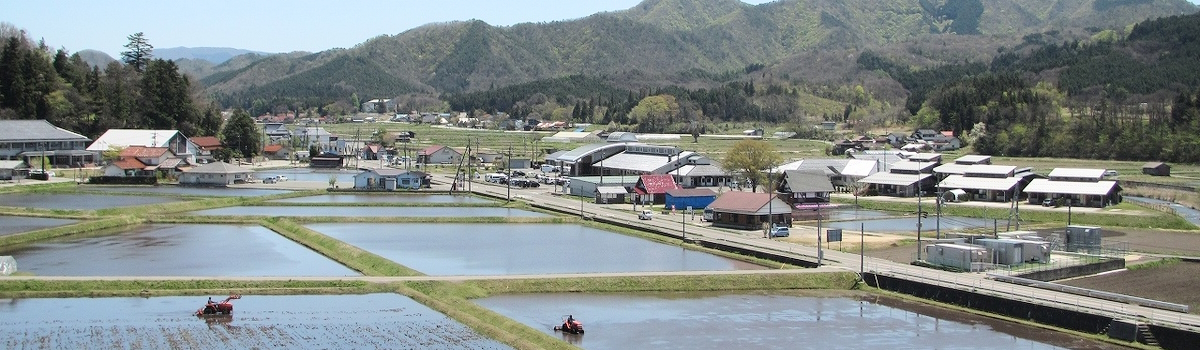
(12,164)
(981,169)
(894,179)
(1077,173)
(700,170)
(219,168)
(611,190)
(974,159)
(925,157)
(121,138)
(803,181)
(691,192)
(951,168)
(828,166)
(1099,188)
(639,162)
(980,183)
(35,130)
(910,165)
(859,168)
(578,153)
(751,203)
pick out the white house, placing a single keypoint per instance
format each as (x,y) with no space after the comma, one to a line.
(173,140)
(216,174)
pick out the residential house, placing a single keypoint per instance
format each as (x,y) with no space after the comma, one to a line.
(276,132)
(992,183)
(749,210)
(278,152)
(207,146)
(126,167)
(181,146)
(13,169)
(438,155)
(653,188)
(694,198)
(318,136)
(611,194)
(960,165)
(378,106)
(805,188)
(1156,169)
(216,174)
(26,139)
(906,178)
(371,151)
(389,179)
(1075,187)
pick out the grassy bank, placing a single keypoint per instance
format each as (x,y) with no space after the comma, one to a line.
(1132,216)
(360,260)
(82,227)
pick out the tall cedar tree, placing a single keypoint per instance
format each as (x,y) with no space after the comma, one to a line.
(241,135)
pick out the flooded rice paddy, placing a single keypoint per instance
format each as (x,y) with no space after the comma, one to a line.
(368,212)
(187,191)
(486,249)
(909,224)
(79,201)
(405,198)
(17,224)
(174,250)
(345,178)
(759,321)
(373,321)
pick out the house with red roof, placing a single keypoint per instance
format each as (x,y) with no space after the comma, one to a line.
(207,145)
(145,161)
(438,155)
(277,152)
(653,188)
(749,210)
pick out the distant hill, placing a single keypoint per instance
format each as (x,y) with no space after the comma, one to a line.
(677,42)
(96,58)
(214,55)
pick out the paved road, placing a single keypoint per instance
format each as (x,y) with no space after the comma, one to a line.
(976,282)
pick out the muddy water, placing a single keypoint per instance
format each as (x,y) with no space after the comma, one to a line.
(374,321)
(842,214)
(174,250)
(187,191)
(373,211)
(78,201)
(485,249)
(759,321)
(406,198)
(16,224)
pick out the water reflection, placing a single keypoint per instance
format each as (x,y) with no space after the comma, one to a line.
(372,211)
(390,198)
(78,201)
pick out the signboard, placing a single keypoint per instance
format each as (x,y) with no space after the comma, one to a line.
(833,235)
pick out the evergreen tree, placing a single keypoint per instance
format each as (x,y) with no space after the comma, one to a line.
(140,52)
(241,135)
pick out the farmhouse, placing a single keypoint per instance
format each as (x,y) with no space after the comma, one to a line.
(805,187)
(389,179)
(216,174)
(1156,169)
(905,178)
(749,210)
(993,183)
(438,155)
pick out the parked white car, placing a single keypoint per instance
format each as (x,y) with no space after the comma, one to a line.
(645,215)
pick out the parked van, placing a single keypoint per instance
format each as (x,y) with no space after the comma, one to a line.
(495,178)
(547,168)
(708,215)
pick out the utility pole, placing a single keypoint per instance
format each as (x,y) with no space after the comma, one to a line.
(919,211)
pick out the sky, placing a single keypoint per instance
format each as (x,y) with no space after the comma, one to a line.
(269,25)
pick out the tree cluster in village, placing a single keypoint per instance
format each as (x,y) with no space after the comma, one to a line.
(138,92)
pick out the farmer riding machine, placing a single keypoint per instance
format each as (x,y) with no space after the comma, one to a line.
(224,307)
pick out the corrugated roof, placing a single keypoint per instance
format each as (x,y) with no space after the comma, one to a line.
(980,169)
(859,168)
(805,181)
(1099,188)
(576,154)
(952,168)
(979,183)
(656,184)
(638,162)
(35,130)
(974,159)
(121,138)
(909,165)
(926,157)
(1077,173)
(752,203)
(691,192)
(894,179)
(12,164)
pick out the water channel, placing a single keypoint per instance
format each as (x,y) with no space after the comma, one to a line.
(400,198)
(488,249)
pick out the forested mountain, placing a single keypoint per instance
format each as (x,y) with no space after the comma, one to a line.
(214,55)
(657,43)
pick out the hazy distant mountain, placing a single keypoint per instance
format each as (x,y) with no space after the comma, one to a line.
(215,55)
(96,58)
(675,41)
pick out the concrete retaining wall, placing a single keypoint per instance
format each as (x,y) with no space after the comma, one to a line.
(1074,271)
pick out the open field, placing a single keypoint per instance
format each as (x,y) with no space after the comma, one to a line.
(1171,282)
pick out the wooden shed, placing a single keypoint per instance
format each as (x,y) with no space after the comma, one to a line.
(1156,169)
